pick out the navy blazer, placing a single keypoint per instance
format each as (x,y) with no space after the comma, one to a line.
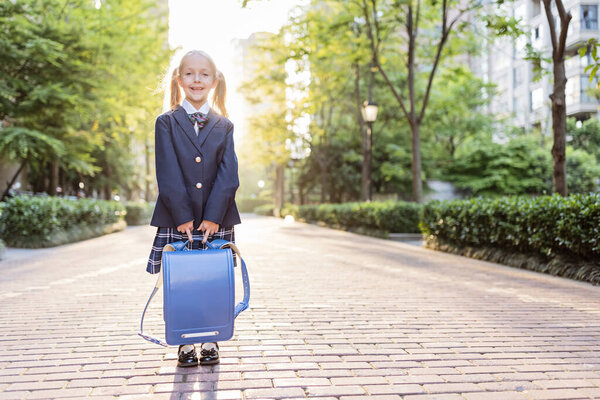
(197,175)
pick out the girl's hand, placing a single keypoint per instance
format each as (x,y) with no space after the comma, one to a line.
(209,228)
(187,228)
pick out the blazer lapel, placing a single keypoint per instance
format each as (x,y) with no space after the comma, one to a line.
(204,132)
(182,119)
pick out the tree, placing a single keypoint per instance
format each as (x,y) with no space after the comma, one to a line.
(266,92)
(485,168)
(583,171)
(409,14)
(558,38)
(47,78)
(456,111)
(67,73)
(585,137)
(23,146)
(330,40)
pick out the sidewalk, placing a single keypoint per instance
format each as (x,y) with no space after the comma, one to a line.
(333,316)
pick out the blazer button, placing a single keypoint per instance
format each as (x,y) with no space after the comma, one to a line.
(198,185)
(198,159)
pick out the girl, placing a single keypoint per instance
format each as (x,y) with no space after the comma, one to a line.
(196,170)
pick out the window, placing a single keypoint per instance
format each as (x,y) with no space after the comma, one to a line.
(576,90)
(516,77)
(589,17)
(537,38)
(575,62)
(572,91)
(537,98)
(586,86)
(536,9)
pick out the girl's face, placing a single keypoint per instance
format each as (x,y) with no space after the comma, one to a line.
(197,79)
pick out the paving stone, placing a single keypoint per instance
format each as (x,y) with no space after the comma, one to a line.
(301,382)
(380,320)
(495,396)
(274,393)
(554,394)
(401,389)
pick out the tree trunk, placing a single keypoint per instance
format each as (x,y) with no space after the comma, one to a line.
(279,189)
(364,191)
(12,181)
(301,197)
(147,175)
(53,178)
(417,185)
(559,107)
(324,183)
(559,128)
(291,187)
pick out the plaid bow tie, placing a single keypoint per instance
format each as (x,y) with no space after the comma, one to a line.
(198,117)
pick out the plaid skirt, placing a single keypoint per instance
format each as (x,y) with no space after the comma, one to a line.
(165,236)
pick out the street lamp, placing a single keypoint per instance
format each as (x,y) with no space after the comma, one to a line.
(369,114)
(369,111)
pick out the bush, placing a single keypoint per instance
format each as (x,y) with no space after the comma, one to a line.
(583,171)
(266,209)
(35,221)
(138,212)
(384,217)
(248,204)
(485,168)
(548,225)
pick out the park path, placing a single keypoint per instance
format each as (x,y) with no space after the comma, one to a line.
(333,315)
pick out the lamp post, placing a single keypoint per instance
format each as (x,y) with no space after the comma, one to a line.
(369,114)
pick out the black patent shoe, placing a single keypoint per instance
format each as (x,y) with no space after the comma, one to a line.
(187,359)
(209,357)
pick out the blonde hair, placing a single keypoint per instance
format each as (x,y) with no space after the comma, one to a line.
(219,94)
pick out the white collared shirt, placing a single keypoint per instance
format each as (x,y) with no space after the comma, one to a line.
(190,109)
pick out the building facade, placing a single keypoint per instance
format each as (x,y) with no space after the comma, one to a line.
(525,101)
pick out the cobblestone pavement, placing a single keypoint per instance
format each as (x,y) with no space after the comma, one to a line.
(333,316)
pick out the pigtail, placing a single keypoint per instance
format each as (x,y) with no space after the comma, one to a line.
(220,93)
(175,89)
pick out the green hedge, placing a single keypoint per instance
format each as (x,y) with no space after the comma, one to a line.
(265,209)
(546,225)
(34,221)
(138,212)
(249,204)
(381,217)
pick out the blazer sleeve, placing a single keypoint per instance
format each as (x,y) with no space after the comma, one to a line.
(171,186)
(226,184)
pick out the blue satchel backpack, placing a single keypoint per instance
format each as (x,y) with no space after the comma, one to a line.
(198,293)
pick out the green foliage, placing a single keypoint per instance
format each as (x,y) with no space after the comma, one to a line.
(583,172)
(546,225)
(67,74)
(138,212)
(485,168)
(265,209)
(33,221)
(587,137)
(390,216)
(248,204)
(18,144)
(592,68)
